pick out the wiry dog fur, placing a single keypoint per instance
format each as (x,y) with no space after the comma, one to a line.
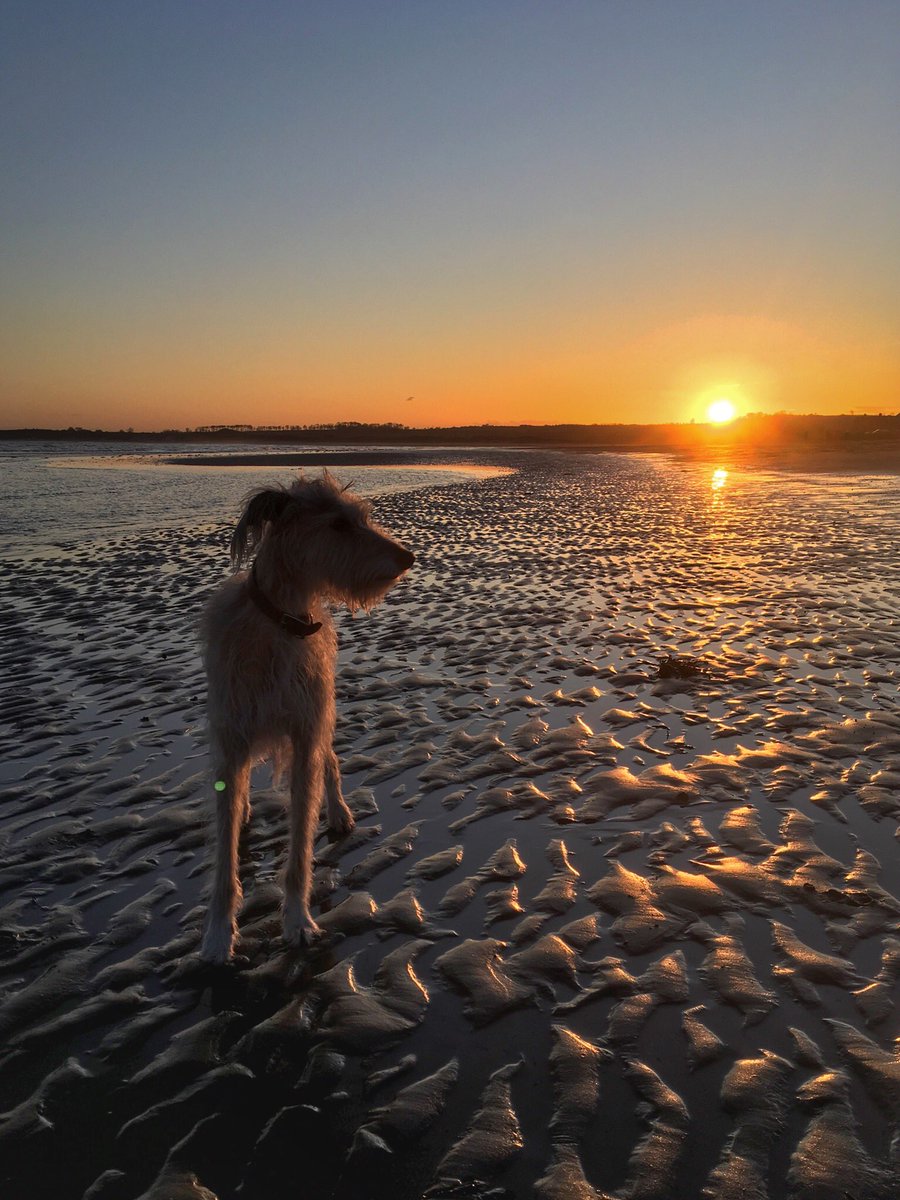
(271,693)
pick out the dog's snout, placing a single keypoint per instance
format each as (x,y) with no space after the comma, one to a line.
(405,558)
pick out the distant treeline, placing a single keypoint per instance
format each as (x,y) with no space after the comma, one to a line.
(754,430)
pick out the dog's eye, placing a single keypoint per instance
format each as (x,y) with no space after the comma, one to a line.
(342,525)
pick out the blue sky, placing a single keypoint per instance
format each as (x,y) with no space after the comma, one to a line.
(511,211)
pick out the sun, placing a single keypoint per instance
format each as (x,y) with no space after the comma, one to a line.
(721,411)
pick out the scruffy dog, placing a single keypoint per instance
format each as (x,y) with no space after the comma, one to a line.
(270,649)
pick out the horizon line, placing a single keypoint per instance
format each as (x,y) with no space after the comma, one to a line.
(398,427)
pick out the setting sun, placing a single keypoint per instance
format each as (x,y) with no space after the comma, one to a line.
(721,411)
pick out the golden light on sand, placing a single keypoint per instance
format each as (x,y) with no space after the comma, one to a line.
(721,411)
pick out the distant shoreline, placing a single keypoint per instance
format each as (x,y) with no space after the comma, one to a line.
(758,441)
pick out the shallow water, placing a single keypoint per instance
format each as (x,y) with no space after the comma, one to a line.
(55,492)
(598,933)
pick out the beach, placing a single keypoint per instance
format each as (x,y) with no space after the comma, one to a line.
(620,915)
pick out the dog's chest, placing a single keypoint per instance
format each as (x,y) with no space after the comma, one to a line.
(305,664)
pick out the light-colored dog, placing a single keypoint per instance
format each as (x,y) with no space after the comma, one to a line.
(270,650)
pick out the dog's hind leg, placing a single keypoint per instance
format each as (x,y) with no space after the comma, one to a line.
(232,808)
(307,780)
(340,819)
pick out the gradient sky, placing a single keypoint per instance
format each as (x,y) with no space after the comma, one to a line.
(277,212)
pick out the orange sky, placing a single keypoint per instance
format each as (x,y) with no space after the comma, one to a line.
(585,215)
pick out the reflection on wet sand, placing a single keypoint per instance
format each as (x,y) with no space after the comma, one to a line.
(620,914)
(718,480)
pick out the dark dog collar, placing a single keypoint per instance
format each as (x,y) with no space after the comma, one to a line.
(300,626)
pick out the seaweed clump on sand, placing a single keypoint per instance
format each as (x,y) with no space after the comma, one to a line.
(685,666)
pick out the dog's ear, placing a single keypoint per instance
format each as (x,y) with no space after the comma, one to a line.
(262,507)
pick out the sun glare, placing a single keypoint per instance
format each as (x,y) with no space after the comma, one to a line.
(721,411)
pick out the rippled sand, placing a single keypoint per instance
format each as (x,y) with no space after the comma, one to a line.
(620,914)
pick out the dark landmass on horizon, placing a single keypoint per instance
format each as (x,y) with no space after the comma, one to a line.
(851,440)
(779,441)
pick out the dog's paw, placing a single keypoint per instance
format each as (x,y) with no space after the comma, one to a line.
(298,927)
(218,942)
(341,821)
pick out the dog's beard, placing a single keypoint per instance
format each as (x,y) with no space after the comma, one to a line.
(364,596)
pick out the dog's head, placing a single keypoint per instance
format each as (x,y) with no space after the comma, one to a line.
(317,533)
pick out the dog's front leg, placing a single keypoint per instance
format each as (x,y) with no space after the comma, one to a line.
(307,780)
(232,805)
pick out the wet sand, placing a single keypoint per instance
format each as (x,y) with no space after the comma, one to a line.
(620,915)
(882,458)
(332,459)
(875,458)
